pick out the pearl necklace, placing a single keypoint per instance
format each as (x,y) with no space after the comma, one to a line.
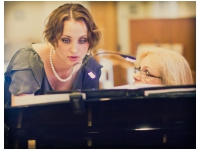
(54,71)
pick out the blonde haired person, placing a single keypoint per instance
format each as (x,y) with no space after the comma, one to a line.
(156,65)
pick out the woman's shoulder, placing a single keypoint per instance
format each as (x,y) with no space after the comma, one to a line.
(41,49)
(25,58)
(25,68)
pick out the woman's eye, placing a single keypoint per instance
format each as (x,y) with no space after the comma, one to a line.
(66,40)
(82,41)
(147,72)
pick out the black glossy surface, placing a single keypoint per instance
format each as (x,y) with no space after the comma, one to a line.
(114,124)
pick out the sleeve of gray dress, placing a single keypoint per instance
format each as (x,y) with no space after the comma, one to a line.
(25,71)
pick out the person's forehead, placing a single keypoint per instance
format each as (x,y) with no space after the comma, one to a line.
(77,25)
(149,62)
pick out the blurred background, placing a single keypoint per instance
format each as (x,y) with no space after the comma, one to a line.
(126,26)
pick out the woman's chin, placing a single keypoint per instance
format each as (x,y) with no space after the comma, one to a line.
(136,82)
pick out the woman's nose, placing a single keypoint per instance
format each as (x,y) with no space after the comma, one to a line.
(74,48)
(136,76)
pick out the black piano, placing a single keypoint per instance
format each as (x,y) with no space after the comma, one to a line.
(118,118)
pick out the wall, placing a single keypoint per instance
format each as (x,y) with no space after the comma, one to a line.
(149,10)
(104,14)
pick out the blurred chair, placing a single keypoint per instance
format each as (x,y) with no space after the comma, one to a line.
(177,47)
(130,78)
(106,79)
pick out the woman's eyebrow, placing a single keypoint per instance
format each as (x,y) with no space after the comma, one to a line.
(83,36)
(66,36)
(147,67)
(71,37)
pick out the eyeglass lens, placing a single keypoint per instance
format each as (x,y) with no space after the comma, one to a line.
(142,73)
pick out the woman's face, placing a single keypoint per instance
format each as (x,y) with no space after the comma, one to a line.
(150,67)
(73,44)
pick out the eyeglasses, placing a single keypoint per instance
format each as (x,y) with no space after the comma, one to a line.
(143,73)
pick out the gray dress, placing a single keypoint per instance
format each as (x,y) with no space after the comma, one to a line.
(25,74)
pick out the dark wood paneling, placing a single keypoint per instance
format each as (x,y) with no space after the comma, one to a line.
(166,31)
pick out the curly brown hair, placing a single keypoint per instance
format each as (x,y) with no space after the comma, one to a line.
(55,22)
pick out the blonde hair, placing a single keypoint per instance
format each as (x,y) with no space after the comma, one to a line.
(173,67)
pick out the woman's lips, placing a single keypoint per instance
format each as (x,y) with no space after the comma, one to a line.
(73,58)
